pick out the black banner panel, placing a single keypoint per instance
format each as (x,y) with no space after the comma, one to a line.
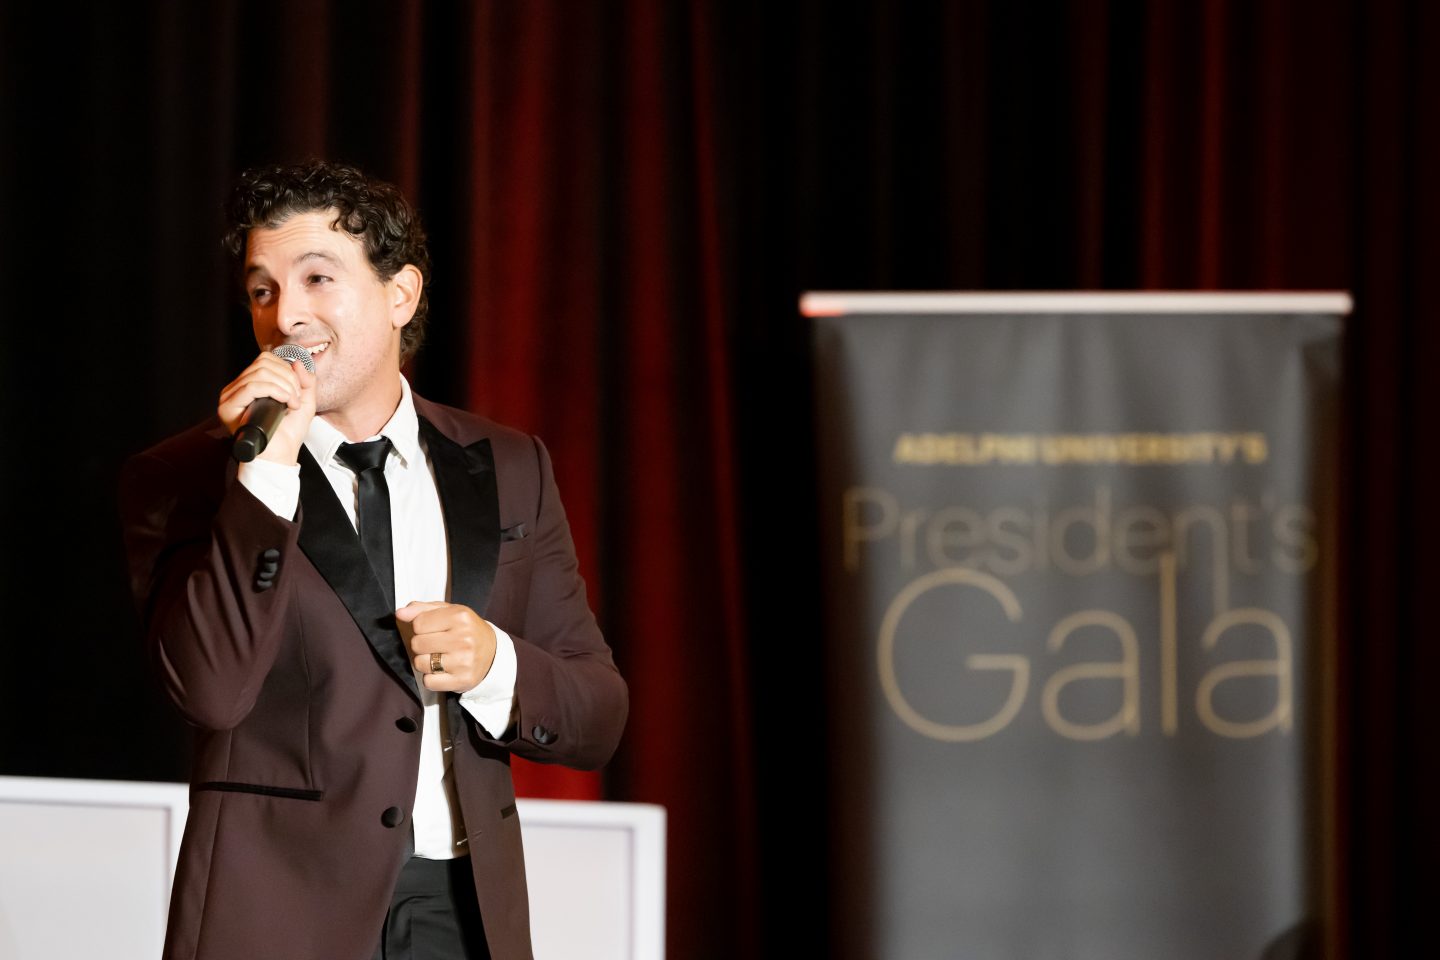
(1078,560)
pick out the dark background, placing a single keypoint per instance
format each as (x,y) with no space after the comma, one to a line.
(624,201)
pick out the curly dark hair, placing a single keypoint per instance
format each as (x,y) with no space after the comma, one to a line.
(371,210)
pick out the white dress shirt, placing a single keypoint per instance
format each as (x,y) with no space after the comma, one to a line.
(422,572)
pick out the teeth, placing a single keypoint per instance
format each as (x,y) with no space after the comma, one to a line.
(318,348)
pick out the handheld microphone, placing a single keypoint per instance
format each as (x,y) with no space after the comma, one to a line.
(264,414)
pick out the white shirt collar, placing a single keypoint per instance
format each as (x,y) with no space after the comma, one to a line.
(403,430)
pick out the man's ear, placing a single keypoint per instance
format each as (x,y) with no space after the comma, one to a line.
(404,290)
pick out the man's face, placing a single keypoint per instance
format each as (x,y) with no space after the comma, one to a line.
(310,284)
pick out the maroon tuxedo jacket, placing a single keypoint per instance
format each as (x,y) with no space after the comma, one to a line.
(273,638)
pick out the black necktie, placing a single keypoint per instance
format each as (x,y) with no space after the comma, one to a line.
(373,512)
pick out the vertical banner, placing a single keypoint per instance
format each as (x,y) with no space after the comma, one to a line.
(1078,561)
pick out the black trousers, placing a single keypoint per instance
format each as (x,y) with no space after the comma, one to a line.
(433,914)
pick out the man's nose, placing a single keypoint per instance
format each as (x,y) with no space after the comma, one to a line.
(290,314)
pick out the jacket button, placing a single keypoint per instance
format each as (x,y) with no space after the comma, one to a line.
(407,725)
(266,569)
(543,736)
(392,817)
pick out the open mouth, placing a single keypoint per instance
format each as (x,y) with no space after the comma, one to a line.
(292,351)
(315,350)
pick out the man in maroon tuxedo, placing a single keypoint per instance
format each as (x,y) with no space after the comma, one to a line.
(365,622)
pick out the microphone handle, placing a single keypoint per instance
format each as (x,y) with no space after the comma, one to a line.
(262,418)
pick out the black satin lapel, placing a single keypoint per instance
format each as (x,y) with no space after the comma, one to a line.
(470,501)
(332,545)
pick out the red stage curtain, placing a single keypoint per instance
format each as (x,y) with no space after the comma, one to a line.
(598,320)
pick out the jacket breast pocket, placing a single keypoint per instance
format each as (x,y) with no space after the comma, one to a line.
(514,543)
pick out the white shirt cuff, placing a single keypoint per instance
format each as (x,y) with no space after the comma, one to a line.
(277,485)
(492,700)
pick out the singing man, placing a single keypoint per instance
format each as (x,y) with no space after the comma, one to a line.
(364,622)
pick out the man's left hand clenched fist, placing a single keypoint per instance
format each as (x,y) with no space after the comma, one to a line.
(463,640)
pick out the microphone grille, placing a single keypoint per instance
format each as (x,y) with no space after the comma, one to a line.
(291,351)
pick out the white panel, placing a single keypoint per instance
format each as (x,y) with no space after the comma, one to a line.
(581,904)
(82,881)
(86,867)
(596,873)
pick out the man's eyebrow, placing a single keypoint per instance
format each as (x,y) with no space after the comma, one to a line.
(329,258)
(316,255)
